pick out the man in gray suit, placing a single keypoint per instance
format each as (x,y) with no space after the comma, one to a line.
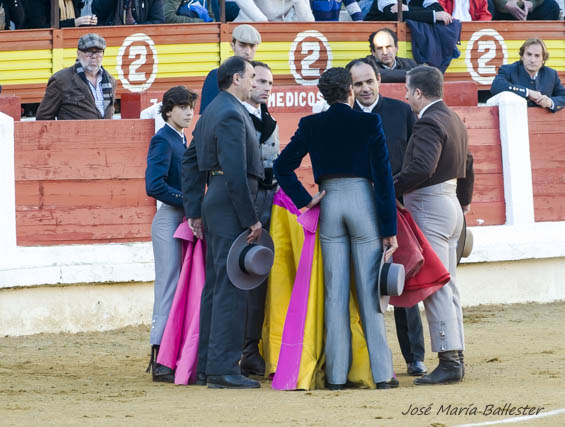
(436,181)
(224,154)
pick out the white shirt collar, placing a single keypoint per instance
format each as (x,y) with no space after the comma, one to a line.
(423,110)
(181,134)
(252,110)
(368,109)
(389,68)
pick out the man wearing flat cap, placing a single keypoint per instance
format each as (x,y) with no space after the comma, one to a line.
(245,39)
(84,91)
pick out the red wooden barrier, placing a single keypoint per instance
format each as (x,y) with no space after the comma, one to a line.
(547,151)
(12,106)
(82,181)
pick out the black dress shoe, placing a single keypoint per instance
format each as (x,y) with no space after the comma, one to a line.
(417,368)
(331,386)
(231,381)
(448,370)
(252,364)
(200,378)
(392,383)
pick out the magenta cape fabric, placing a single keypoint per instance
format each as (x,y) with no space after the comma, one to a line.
(179,346)
(286,376)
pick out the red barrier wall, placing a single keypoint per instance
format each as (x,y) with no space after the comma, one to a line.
(547,151)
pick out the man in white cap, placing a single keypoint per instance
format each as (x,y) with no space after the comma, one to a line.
(85,90)
(245,40)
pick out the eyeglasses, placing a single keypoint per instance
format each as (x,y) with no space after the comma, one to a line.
(91,53)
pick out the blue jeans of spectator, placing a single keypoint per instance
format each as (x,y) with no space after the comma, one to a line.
(232,10)
(365,6)
(350,237)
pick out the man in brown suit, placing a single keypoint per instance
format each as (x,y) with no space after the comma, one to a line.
(84,91)
(436,182)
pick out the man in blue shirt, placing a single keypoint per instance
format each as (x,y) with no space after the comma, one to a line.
(245,40)
(531,79)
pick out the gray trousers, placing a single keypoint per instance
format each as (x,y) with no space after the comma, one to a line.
(438,213)
(167,252)
(349,231)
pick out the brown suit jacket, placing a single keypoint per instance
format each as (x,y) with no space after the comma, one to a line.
(437,152)
(68,97)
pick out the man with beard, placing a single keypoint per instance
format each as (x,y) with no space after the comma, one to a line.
(268,136)
(81,92)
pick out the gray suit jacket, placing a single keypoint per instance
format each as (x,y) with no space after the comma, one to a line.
(224,139)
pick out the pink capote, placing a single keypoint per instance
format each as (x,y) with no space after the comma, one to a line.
(286,376)
(179,345)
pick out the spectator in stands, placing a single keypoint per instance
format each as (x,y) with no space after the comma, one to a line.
(245,39)
(171,9)
(365,6)
(232,10)
(128,12)
(81,92)
(328,10)
(274,10)
(523,10)
(38,14)
(471,10)
(384,47)
(11,11)
(429,11)
(531,79)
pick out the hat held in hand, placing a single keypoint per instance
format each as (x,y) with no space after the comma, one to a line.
(390,282)
(249,264)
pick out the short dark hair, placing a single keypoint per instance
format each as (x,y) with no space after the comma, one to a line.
(261,64)
(428,79)
(360,61)
(177,95)
(232,65)
(532,41)
(386,30)
(335,84)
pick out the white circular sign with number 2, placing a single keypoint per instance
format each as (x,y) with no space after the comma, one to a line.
(136,80)
(308,74)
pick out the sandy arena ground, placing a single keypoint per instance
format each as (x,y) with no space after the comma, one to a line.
(515,357)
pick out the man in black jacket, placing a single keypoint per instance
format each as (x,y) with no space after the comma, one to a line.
(128,12)
(384,47)
(398,120)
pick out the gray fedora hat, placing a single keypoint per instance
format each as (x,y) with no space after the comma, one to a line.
(465,242)
(248,265)
(390,282)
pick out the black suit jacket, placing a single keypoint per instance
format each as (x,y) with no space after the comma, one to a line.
(398,119)
(224,139)
(437,152)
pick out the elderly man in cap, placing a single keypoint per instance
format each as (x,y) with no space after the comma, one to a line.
(81,92)
(245,40)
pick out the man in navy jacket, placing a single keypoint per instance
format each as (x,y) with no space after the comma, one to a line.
(531,79)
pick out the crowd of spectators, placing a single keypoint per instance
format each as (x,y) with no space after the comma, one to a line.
(25,14)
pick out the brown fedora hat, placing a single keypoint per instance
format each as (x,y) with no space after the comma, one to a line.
(390,282)
(248,265)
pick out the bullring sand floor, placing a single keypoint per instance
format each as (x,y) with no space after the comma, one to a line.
(515,357)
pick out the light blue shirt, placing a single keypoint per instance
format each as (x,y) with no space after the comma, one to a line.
(97,92)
